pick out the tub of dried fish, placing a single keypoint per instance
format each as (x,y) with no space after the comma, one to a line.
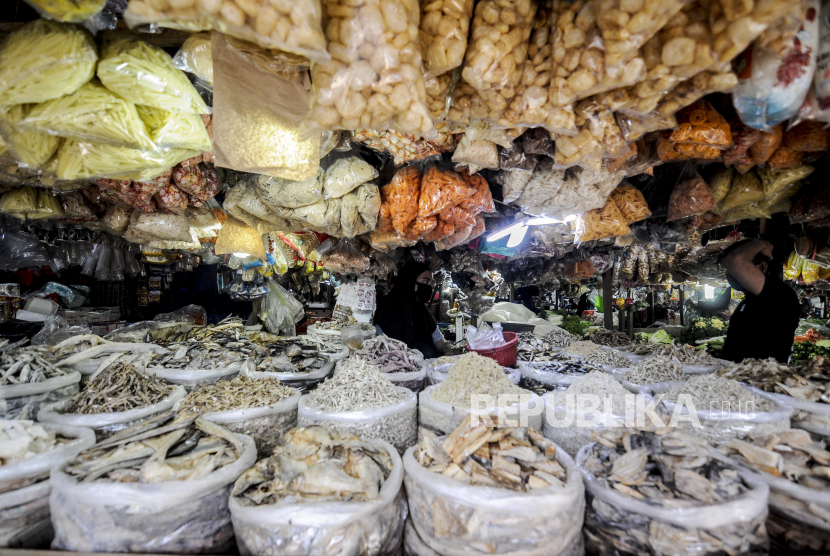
(403,367)
(321,492)
(592,403)
(159,486)
(653,370)
(359,399)
(443,406)
(98,357)
(486,490)
(261,408)
(29,380)
(28,452)
(804,389)
(116,399)
(192,379)
(794,466)
(667,494)
(558,373)
(542,348)
(724,408)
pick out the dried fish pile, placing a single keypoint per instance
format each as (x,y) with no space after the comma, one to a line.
(337,325)
(75,344)
(647,349)
(687,355)
(315,464)
(583,348)
(608,357)
(558,373)
(291,356)
(165,448)
(27,365)
(798,521)
(708,391)
(474,374)
(238,393)
(517,459)
(612,338)
(20,440)
(197,354)
(542,348)
(388,355)
(667,480)
(120,387)
(771,376)
(656,369)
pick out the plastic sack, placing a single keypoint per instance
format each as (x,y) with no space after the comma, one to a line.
(690,196)
(476,154)
(441,188)
(701,124)
(171,199)
(345,175)
(30,148)
(87,159)
(667,530)
(194,57)
(346,528)
(807,137)
(630,202)
(454,518)
(785,157)
(762,98)
(600,223)
(745,189)
(396,424)
(107,424)
(443,30)
(288,193)
(174,516)
(74,11)
(192,379)
(44,60)
(166,227)
(484,337)
(402,195)
(116,220)
(19,201)
(776,181)
(175,129)
(23,401)
(294,28)
(375,79)
(280,311)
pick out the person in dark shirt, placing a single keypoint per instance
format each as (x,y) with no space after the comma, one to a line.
(585,303)
(764,323)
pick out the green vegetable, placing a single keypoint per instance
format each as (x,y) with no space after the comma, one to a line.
(823,343)
(660,337)
(575,325)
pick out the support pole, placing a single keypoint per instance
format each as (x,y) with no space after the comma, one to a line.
(607,301)
(682,307)
(630,323)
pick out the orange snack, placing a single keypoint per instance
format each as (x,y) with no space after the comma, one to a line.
(600,223)
(671,152)
(785,157)
(384,216)
(443,229)
(478,229)
(482,199)
(809,136)
(441,188)
(701,124)
(459,216)
(763,148)
(630,202)
(402,194)
(420,227)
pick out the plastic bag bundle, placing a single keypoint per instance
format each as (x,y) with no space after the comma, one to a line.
(374,79)
(441,188)
(47,206)
(402,146)
(444,28)
(598,136)
(18,202)
(174,516)
(281,311)
(451,517)
(402,195)
(91,113)
(630,202)
(68,11)
(195,57)
(345,175)
(807,136)
(701,124)
(44,60)
(144,74)
(27,147)
(199,180)
(600,223)
(745,189)
(175,129)
(137,195)
(165,227)
(345,528)
(476,154)
(776,181)
(290,194)
(171,199)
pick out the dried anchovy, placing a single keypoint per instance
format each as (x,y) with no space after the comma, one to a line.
(474,374)
(239,393)
(685,354)
(608,357)
(535,348)
(315,464)
(713,391)
(355,385)
(583,348)
(120,387)
(167,447)
(337,325)
(771,376)
(517,459)
(597,383)
(388,354)
(27,365)
(613,338)
(656,369)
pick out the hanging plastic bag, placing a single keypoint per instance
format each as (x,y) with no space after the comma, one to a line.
(194,57)
(701,124)
(745,189)
(785,157)
(476,154)
(441,188)
(690,195)
(775,88)
(89,160)
(288,193)
(444,28)
(30,148)
(18,202)
(766,145)
(481,200)
(674,152)
(171,199)
(775,181)
(165,227)
(175,129)
(808,136)
(44,60)
(600,223)
(280,311)
(402,195)
(345,175)
(630,202)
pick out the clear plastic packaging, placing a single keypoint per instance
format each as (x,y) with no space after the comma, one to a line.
(288,193)
(165,227)
(345,175)
(691,195)
(476,154)
(194,57)
(402,195)
(403,146)
(177,516)
(88,160)
(175,129)
(441,188)
(626,26)
(44,60)
(281,311)
(600,223)
(27,147)
(776,181)
(397,424)
(701,124)
(374,79)
(292,27)
(745,189)
(68,11)
(763,149)
(171,199)
(444,27)
(453,518)
(631,203)
(343,528)
(200,180)
(810,136)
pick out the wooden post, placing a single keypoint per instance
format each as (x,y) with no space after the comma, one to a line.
(630,323)
(682,307)
(621,320)
(607,300)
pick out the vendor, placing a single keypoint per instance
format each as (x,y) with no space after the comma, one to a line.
(403,313)
(764,323)
(585,303)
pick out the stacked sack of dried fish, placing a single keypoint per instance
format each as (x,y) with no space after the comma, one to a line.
(557,373)
(297,362)
(669,494)
(193,364)
(28,380)
(652,370)
(402,366)
(321,492)
(28,453)
(261,408)
(359,399)
(443,406)
(582,348)
(795,467)
(485,490)
(723,408)
(115,399)
(804,389)
(161,485)
(694,360)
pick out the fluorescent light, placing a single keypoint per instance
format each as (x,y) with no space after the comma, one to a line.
(542,221)
(708,292)
(570,218)
(241,255)
(517,237)
(504,232)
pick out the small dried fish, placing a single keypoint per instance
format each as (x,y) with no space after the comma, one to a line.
(291,355)
(612,338)
(771,376)
(165,448)
(27,365)
(120,387)
(315,464)
(583,348)
(687,355)
(708,391)
(608,357)
(239,393)
(388,354)
(355,385)
(656,369)
(535,348)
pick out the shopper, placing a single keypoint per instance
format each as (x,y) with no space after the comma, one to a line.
(403,313)
(764,323)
